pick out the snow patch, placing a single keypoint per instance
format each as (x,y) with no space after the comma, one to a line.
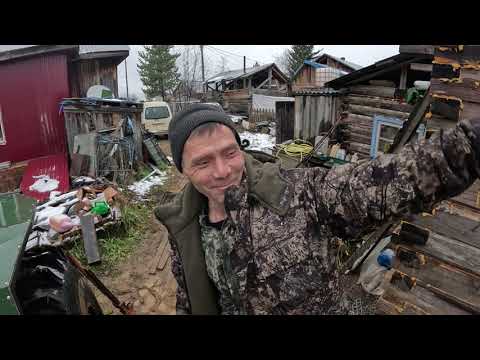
(142,188)
(262,142)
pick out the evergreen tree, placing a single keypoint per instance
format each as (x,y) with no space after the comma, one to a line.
(158,70)
(297,55)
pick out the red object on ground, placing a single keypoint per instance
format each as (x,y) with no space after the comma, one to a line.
(55,166)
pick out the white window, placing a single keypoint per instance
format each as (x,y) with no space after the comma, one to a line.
(3,141)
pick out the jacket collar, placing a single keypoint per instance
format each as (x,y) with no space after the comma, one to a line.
(264,182)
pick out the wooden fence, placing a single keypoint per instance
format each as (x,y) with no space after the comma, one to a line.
(258,115)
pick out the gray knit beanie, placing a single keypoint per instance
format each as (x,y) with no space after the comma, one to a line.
(185,121)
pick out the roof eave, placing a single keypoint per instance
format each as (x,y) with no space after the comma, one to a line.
(34,50)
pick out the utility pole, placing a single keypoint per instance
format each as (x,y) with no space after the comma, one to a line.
(203,69)
(244,64)
(126,76)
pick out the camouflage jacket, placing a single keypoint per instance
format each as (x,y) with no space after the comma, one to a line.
(285,226)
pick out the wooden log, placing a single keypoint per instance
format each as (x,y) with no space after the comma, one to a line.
(466,89)
(381,91)
(360,148)
(372,111)
(358,118)
(359,138)
(387,83)
(89,236)
(360,131)
(421,67)
(416,49)
(379,103)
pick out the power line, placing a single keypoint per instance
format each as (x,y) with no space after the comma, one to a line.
(237,62)
(227,52)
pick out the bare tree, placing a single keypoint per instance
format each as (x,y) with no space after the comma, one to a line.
(281,61)
(222,65)
(190,65)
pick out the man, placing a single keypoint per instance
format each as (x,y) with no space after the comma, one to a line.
(251,238)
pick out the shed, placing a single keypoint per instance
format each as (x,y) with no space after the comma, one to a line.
(35,78)
(315,72)
(377,92)
(236,87)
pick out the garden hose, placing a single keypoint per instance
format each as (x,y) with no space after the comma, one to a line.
(298,148)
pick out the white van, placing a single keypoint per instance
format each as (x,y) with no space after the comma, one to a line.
(156,117)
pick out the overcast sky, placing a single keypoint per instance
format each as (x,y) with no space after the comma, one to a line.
(231,56)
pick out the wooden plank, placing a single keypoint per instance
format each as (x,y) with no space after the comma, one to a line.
(445,71)
(452,226)
(381,91)
(473,74)
(379,102)
(80,165)
(418,301)
(446,108)
(159,253)
(421,67)
(466,89)
(470,110)
(450,251)
(403,77)
(439,122)
(372,111)
(468,54)
(460,284)
(89,236)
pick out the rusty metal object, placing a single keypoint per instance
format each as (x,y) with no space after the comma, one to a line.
(125,308)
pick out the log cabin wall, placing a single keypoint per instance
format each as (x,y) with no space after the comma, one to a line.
(360,106)
(455,87)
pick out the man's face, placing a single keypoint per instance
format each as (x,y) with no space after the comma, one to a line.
(213,162)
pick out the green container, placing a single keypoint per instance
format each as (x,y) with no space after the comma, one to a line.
(100,208)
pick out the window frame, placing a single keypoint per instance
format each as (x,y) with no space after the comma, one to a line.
(378,122)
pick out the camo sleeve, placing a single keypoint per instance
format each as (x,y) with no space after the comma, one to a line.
(183,304)
(352,197)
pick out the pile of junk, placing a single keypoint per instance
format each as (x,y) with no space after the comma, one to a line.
(65,218)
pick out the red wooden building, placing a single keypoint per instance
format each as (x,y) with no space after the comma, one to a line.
(33,81)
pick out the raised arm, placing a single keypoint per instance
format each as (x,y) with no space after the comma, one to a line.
(353,197)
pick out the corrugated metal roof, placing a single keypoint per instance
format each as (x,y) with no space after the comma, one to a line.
(349,64)
(85,49)
(318,91)
(13,47)
(239,74)
(54,166)
(392,61)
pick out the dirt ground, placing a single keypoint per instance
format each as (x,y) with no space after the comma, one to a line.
(150,290)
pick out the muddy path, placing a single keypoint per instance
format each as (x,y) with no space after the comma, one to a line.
(145,278)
